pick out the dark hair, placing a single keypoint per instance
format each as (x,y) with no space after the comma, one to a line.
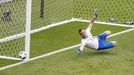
(80,30)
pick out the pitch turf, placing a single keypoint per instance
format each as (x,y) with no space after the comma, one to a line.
(115,61)
(56,11)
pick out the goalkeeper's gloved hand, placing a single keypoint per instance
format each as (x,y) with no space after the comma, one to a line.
(78,51)
(96,13)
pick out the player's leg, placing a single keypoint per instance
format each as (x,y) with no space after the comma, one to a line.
(105,45)
(108,32)
(103,35)
(114,43)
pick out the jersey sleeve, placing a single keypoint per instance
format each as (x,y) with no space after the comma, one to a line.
(88,30)
(83,43)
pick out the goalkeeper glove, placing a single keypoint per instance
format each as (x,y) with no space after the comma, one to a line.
(96,13)
(78,51)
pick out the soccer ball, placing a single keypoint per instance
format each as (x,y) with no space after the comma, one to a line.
(22,55)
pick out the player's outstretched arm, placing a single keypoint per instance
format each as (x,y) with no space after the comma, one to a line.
(92,22)
(80,49)
(96,14)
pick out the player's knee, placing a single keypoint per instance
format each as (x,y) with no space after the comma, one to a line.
(108,32)
(114,43)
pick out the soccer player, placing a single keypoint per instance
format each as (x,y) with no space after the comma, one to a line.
(94,42)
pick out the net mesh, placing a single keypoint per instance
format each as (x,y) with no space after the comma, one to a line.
(54,11)
(14,24)
(121,10)
(46,12)
(12,19)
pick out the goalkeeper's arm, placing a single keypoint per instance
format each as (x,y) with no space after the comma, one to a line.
(92,22)
(96,13)
(80,49)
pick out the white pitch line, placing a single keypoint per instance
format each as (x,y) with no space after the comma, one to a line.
(41,56)
(122,32)
(35,30)
(58,51)
(113,24)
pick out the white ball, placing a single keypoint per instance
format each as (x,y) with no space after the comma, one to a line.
(22,55)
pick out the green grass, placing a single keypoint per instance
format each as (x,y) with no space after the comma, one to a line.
(112,61)
(63,36)
(115,61)
(56,11)
(18,18)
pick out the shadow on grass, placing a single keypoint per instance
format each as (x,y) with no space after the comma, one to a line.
(97,53)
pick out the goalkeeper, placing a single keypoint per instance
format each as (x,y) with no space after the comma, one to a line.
(97,42)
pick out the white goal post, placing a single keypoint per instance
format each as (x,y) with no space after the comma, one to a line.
(20,18)
(17,26)
(28,28)
(8,42)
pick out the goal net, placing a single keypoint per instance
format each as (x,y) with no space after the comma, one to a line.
(13,21)
(119,10)
(48,12)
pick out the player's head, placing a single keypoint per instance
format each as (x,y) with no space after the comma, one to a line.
(82,32)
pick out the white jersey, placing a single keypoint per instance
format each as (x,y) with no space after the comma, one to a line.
(90,41)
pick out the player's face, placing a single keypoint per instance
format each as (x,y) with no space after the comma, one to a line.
(83,33)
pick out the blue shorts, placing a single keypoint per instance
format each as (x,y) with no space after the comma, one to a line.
(102,43)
